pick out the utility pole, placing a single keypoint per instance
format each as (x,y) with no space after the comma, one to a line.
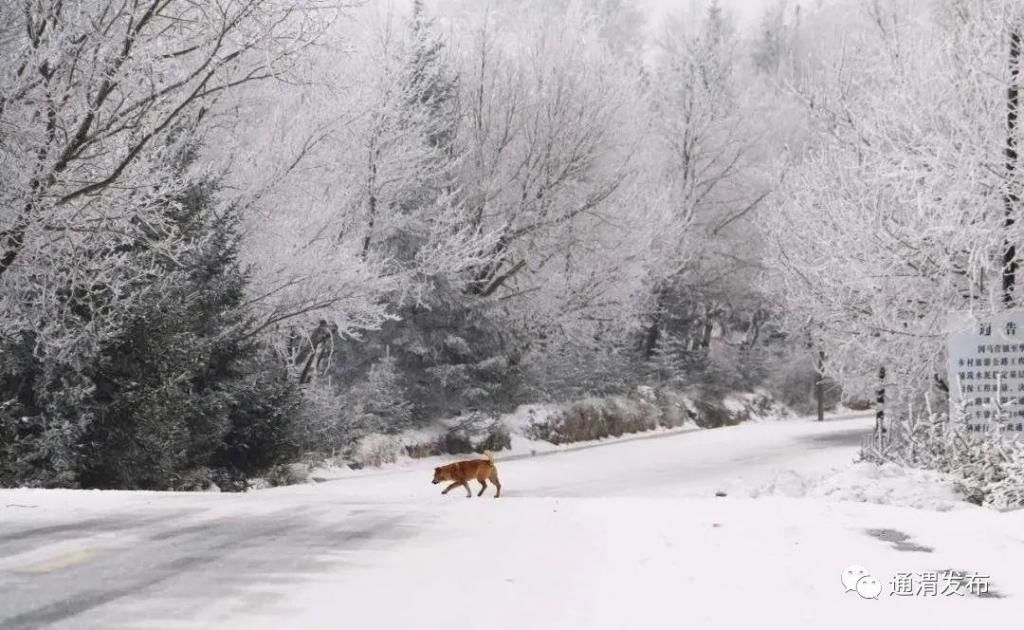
(1010,198)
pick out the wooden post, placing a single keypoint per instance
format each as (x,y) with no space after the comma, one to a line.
(1010,198)
(819,386)
(880,404)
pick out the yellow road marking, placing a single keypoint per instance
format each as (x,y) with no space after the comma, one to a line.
(64,561)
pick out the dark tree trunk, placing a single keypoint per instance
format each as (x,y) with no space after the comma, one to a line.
(819,386)
(651,337)
(756,322)
(709,328)
(653,333)
(309,355)
(880,403)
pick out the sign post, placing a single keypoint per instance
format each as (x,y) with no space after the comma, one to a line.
(986,371)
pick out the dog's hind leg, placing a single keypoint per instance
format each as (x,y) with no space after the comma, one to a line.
(453,484)
(483,486)
(494,479)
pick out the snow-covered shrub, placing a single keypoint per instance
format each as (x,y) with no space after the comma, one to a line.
(712,414)
(676,409)
(376,450)
(629,415)
(496,439)
(596,418)
(761,404)
(200,478)
(287,475)
(380,401)
(325,426)
(334,419)
(474,432)
(580,421)
(1008,492)
(988,468)
(648,409)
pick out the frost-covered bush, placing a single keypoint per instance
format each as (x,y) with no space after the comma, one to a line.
(336,419)
(497,438)
(597,418)
(287,475)
(379,402)
(328,425)
(377,450)
(675,408)
(712,414)
(474,432)
(989,468)
(648,409)
(1008,491)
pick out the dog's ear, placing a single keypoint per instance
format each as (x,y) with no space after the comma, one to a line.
(438,469)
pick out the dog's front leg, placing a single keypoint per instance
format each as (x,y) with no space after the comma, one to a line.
(469,493)
(454,484)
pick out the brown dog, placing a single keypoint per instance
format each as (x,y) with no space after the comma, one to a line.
(460,473)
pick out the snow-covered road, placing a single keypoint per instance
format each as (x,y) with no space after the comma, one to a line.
(624,535)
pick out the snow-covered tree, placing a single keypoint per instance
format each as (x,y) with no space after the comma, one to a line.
(360,211)
(897,213)
(103,106)
(708,151)
(549,142)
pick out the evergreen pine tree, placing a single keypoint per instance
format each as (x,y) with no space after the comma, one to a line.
(178,394)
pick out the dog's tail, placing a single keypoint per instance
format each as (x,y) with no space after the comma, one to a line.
(489,456)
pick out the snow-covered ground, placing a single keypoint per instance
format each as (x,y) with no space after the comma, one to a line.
(626,563)
(865,482)
(617,535)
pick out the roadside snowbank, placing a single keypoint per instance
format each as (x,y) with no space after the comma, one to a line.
(865,482)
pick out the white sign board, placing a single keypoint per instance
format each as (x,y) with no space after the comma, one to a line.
(986,371)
